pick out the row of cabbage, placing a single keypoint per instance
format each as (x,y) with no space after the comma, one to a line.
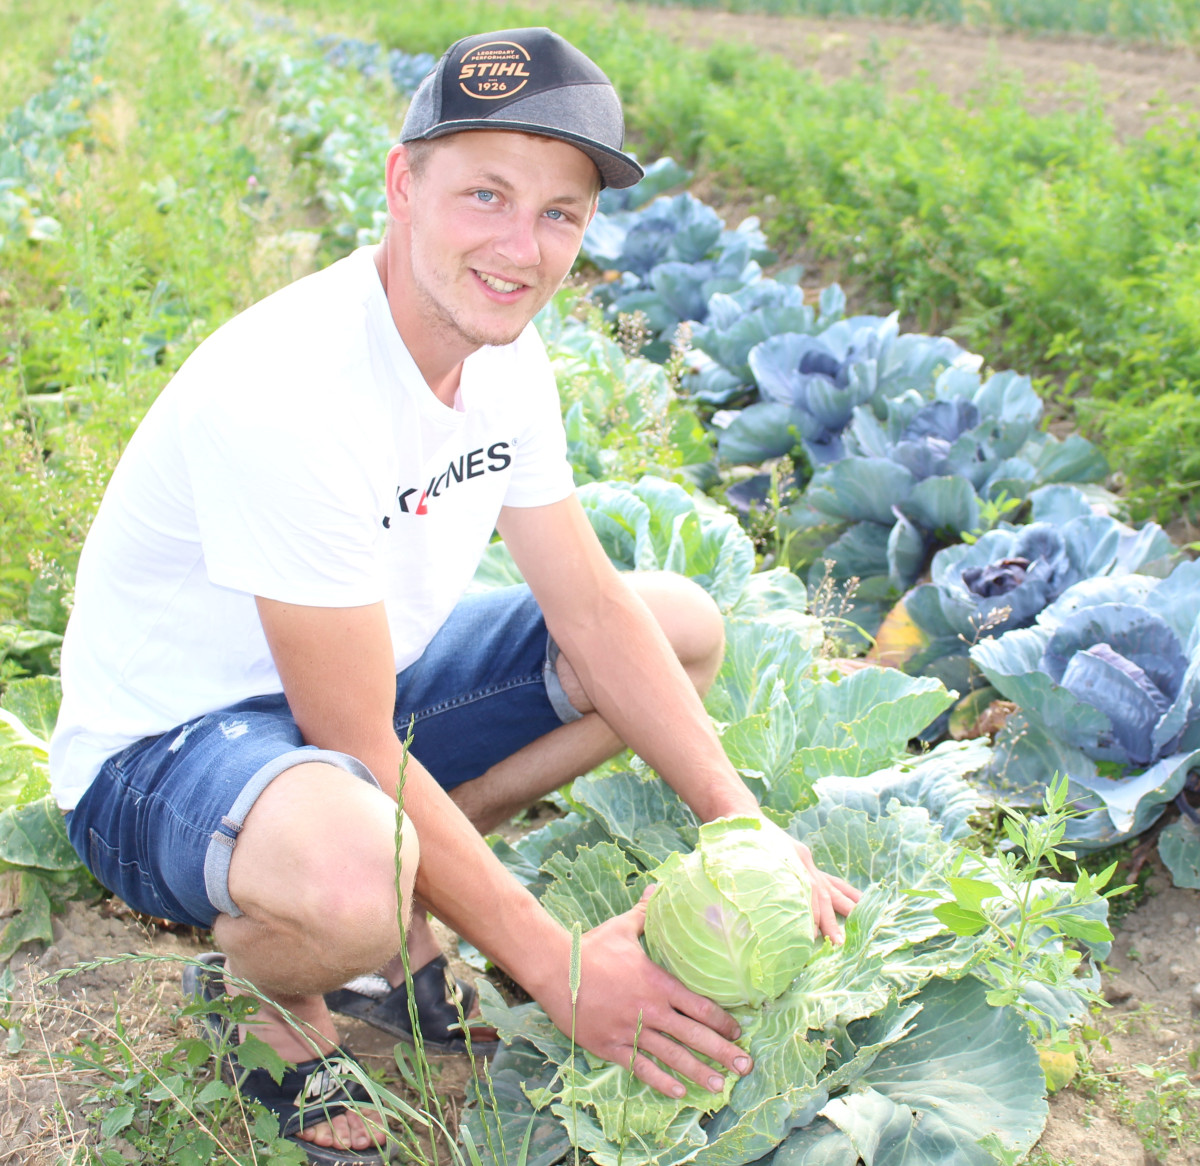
(900,441)
(36,136)
(895,444)
(845,1069)
(904,446)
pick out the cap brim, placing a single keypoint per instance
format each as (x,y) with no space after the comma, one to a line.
(616,169)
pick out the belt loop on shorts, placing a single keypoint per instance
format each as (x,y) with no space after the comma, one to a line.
(227,830)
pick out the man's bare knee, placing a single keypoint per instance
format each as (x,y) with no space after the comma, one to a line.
(689,618)
(317,858)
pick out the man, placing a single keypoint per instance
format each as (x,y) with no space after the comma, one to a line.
(269,597)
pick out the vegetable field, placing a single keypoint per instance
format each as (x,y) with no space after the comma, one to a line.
(1158,21)
(907,382)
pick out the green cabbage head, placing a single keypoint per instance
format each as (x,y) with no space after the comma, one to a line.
(733,919)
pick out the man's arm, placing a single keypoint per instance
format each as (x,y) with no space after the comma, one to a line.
(339,676)
(632,676)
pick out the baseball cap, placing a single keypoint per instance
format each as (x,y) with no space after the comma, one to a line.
(530,80)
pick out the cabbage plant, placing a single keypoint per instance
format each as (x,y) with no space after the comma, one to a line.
(733,919)
(737,321)
(34,848)
(926,473)
(1108,686)
(656,525)
(659,177)
(35,137)
(886,1048)
(784,725)
(1005,578)
(669,229)
(668,259)
(889,1040)
(810,386)
(407,71)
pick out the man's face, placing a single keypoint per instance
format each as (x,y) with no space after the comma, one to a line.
(496,220)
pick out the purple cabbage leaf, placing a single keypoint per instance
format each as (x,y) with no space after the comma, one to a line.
(1109,693)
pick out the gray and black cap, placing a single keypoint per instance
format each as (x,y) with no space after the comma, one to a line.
(529,80)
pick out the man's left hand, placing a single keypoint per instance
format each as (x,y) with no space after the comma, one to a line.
(831,896)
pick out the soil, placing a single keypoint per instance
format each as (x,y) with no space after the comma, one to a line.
(1153,985)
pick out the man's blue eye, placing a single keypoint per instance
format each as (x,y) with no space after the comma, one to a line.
(484,195)
(555,214)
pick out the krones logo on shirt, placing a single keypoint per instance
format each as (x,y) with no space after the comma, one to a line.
(492,460)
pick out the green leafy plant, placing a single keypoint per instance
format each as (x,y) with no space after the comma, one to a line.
(35,136)
(35,853)
(1104,681)
(829,1050)
(1005,578)
(623,415)
(1022,919)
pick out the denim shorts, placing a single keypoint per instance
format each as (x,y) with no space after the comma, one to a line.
(158,825)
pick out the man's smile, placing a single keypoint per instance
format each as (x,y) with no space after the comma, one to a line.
(498,284)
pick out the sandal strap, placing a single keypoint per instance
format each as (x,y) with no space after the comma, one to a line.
(306,1095)
(437,1012)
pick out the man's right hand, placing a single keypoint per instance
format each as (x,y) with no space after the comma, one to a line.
(620,987)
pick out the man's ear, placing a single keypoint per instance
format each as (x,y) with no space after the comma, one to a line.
(399,180)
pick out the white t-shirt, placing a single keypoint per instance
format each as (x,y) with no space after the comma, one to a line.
(299,455)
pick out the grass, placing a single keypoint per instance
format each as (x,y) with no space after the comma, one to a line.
(1159,1100)
(137,1082)
(125,1088)
(163,237)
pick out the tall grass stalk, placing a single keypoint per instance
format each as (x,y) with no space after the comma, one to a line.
(576,974)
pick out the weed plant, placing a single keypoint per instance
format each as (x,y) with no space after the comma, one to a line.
(162,1100)
(1159,1101)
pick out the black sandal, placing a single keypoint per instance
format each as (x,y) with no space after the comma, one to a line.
(308,1094)
(374,1001)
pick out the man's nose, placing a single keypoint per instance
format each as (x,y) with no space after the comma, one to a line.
(517,242)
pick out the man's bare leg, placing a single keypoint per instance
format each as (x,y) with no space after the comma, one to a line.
(313,839)
(695,629)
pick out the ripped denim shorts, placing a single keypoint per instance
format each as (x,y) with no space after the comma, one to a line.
(158,824)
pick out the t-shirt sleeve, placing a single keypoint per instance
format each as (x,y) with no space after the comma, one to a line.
(284,500)
(541,472)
